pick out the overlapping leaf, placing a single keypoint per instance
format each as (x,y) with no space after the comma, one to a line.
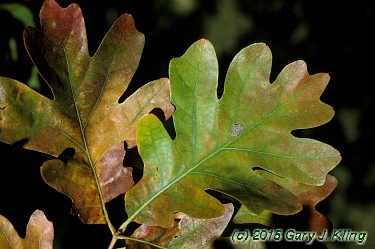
(154,235)
(185,233)
(84,122)
(219,142)
(308,195)
(200,233)
(39,233)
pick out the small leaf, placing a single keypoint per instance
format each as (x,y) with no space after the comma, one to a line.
(219,143)
(39,233)
(20,12)
(187,233)
(310,196)
(84,121)
(156,235)
(199,233)
(245,216)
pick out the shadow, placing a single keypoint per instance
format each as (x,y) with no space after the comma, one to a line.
(67,154)
(168,124)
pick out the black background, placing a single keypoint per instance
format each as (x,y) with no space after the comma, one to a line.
(331,36)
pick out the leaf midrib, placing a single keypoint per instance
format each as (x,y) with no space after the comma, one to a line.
(218,150)
(146,203)
(85,149)
(225,146)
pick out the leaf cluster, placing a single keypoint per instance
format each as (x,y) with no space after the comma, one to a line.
(239,146)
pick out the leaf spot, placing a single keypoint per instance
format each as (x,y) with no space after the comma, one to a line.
(114,178)
(237,128)
(1,109)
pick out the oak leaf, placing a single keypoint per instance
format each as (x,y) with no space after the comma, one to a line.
(200,233)
(219,142)
(308,195)
(154,235)
(39,233)
(84,123)
(186,232)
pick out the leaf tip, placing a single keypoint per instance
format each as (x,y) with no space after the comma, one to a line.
(203,44)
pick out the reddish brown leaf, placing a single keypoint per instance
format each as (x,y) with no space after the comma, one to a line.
(187,233)
(200,233)
(156,235)
(308,195)
(84,121)
(113,177)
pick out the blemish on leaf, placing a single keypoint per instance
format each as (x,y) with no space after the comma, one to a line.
(237,128)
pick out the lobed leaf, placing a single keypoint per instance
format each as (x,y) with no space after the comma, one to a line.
(245,216)
(199,233)
(219,143)
(39,233)
(155,235)
(308,195)
(185,233)
(84,121)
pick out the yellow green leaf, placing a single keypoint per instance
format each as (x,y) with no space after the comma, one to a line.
(220,142)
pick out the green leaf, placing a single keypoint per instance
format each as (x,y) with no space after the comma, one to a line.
(244,215)
(219,143)
(39,233)
(20,12)
(84,123)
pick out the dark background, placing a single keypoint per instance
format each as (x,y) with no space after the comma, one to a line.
(331,36)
